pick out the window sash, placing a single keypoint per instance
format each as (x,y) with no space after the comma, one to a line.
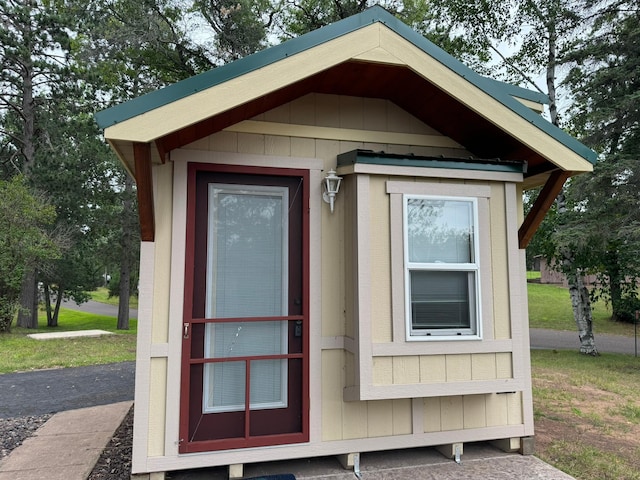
(441,266)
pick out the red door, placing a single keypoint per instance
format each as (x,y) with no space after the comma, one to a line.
(245,332)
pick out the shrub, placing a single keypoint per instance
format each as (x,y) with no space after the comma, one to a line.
(627,308)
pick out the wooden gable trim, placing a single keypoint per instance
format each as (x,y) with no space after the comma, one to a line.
(545,199)
(144,182)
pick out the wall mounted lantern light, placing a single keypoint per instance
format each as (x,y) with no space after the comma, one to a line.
(330,187)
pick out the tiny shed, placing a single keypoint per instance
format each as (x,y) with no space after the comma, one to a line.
(273,325)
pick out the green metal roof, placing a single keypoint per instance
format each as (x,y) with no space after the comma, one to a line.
(382,158)
(520,92)
(500,91)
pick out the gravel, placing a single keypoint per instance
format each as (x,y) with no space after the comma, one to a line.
(14,431)
(114,462)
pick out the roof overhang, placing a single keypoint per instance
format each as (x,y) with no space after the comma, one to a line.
(371,55)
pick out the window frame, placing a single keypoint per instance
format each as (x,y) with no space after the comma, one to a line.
(474,331)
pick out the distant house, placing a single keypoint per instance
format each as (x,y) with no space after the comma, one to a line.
(275,326)
(550,275)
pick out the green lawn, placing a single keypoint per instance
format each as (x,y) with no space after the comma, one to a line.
(21,353)
(550,307)
(102,295)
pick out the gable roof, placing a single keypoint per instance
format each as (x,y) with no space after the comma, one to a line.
(294,46)
(372,54)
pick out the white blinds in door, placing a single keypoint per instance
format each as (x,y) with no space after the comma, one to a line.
(247,276)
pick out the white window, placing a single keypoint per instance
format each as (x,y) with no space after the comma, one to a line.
(441,260)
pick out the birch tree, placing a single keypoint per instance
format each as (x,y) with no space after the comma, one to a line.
(605,83)
(528,39)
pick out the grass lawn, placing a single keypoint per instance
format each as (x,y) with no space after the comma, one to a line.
(587,413)
(102,295)
(550,307)
(21,353)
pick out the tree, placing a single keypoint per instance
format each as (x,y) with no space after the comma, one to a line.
(32,33)
(606,87)
(536,32)
(240,27)
(25,243)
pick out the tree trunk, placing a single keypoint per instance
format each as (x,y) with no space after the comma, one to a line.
(124,291)
(123,303)
(582,314)
(615,279)
(580,301)
(28,313)
(47,305)
(579,294)
(56,311)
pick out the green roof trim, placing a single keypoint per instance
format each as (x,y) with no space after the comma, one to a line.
(500,91)
(381,158)
(520,92)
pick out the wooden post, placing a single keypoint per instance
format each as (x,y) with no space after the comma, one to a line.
(144,184)
(541,206)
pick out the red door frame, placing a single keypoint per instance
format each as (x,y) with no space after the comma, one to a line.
(185,446)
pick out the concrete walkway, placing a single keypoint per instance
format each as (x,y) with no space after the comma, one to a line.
(479,462)
(67,446)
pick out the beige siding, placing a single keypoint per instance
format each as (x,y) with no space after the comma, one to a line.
(355,420)
(157,406)
(341,360)
(458,368)
(504,366)
(432,414)
(380,418)
(380,263)
(433,369)
(383,370)
(163,186)
(402,417)
(332,385)
(499,265)
(406,370)
(483,366)
(497,407)
(475,412)
(452,413)
(349,271)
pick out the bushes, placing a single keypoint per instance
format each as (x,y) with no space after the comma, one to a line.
(25,242)
(627,307)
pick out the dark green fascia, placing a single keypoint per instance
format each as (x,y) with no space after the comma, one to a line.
(519,92)
(216,76)
(370,157)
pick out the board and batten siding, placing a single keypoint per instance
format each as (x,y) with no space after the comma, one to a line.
(345,414)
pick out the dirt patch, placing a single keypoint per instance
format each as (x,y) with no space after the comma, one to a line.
(572,421)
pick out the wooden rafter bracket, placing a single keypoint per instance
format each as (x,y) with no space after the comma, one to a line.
(543,203)
(144,183)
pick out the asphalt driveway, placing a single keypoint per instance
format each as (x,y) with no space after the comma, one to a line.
(57,390)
